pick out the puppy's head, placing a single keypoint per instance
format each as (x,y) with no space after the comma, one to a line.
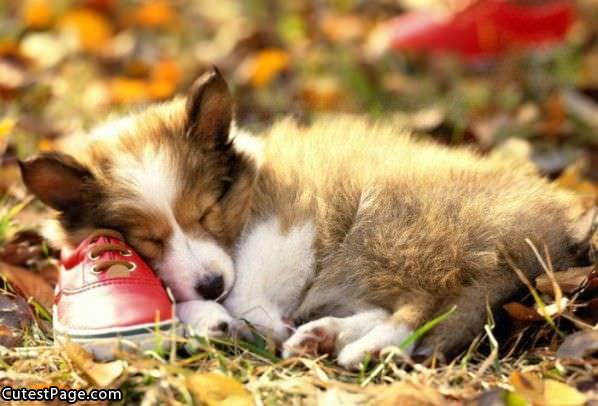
(168,178)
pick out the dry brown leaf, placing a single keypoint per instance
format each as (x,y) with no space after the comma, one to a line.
(521,312)
(218,390)
(90,29)
(569,280)
(15,316)
(28,284)
(37,13)
(260,69)
(102,374)
(579,345)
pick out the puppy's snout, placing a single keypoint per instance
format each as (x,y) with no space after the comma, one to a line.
(211,287)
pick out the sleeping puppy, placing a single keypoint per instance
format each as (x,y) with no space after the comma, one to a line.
(354,228)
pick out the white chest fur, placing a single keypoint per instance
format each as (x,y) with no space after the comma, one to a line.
(272,270)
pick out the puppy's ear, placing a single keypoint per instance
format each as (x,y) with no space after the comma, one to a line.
(209,110)
(56,179)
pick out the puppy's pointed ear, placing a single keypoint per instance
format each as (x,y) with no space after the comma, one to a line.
(56,179)
(209,110)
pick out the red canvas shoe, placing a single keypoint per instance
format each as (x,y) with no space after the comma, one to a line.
(108,298)
(486,28)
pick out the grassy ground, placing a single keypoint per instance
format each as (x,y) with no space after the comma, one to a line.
(66,65)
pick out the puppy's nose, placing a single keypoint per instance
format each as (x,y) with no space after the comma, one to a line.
(211,287)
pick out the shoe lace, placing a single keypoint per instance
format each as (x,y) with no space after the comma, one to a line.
(99,248)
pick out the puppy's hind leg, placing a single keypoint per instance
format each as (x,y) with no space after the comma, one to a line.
(412,311)
(458,330)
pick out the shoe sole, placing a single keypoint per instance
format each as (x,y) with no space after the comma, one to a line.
(105,344)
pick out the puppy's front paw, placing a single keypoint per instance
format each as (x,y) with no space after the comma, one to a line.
(313,338)
(206,318)
(381,337)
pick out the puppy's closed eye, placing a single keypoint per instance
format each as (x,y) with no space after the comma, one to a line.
(149,247)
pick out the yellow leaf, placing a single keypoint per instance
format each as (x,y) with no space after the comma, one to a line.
(102,375)
(154,14)
(91,29)
(559,394)
(37,13)
(262,68)
(6,126)
(218,390)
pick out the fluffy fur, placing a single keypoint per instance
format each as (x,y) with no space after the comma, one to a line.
(353,227)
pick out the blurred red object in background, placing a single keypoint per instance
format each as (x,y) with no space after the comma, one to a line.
(485,28)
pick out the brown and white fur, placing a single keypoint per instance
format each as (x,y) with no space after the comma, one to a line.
(354,227)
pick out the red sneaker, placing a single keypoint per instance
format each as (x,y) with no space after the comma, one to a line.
(485,28)
(108,298)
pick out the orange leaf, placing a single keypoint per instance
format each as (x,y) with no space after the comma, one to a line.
(36,13)
(126,90)
(261,69)
(91,29)
(155,13)
(167,70)
(161,89)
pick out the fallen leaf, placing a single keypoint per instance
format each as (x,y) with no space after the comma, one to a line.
(559,394)
(36,14)
(157,13)
(569,280)
(89,29)
(6,126)
(572,179)
(125,90)
(15,316)
(323,93)
(28,284)
(102,374)
(521,312)
(259,70)
(579,345)
(528,385)
(343,27)
(43,48)
(215,389)
(408,393)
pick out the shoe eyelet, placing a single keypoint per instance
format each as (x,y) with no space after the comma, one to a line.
(92,257)
(95,271)
(126,253)
(133,266)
